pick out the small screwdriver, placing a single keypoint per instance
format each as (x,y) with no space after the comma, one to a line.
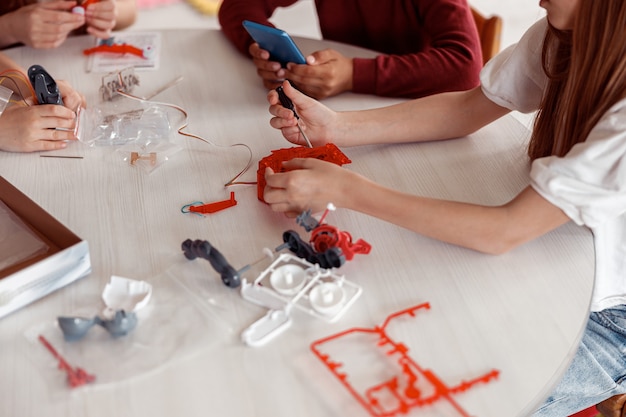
(287,103)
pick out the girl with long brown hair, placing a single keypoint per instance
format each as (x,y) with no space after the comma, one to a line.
(569,67)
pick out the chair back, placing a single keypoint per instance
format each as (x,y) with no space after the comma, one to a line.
(489,32)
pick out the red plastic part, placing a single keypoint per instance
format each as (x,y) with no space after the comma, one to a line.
(325,236)
(213,207)
(329,152)
(401,387)
(118,48)
(75,376)
(87,3)
(588,412)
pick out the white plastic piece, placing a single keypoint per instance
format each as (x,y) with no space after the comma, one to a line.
(260,295)
(327,298)
(125,294)
(293,282)
(78,10)
(288,279)
(267,327)
(261,292)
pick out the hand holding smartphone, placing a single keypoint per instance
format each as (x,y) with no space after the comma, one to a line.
(277,42)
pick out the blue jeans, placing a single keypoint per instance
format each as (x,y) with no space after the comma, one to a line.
(597,372)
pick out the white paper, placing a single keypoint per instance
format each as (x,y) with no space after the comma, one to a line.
(149,42)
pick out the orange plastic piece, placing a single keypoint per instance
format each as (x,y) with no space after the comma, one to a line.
(75,376)
(329,152)
(409,387)
(117,48)
(213,207)
(87,3)
(151,157)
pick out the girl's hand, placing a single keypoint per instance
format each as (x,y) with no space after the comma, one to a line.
(316,120)
(33,128)
(613,407)
(271,72)
(309,183)
(101,18)
(72,99)
(44,25)
(326,74)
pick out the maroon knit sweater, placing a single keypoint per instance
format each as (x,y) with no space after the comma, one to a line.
(427,46)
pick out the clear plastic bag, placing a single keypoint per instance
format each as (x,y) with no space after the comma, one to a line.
(123,124)
(171,327)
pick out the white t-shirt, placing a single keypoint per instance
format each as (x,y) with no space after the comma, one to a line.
(589,183)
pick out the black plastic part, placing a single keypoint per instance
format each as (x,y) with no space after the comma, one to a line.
(46,88)
(203,249)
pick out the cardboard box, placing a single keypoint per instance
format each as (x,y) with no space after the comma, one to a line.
(65,257)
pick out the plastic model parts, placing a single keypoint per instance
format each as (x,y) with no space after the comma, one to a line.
(109,46)
(193,249)
(122,297)
(400,389)
(121,81)
(328,152)
(328,246)
(305,279)
(291,282)
(75,376)
(46,89)
(202,208)
(75,328)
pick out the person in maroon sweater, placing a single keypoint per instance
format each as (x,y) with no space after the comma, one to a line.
(427,46)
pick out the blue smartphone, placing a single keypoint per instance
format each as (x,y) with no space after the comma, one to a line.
(277,42)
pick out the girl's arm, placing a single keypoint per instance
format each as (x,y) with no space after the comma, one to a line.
(311,184)
(126,13)
(441,116)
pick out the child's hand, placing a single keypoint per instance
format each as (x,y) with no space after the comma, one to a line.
(613,407)
(101,18)
(271,72)
(44,25)
(308,183)
(315,118)
(326,73)
(33,128)
(72,99)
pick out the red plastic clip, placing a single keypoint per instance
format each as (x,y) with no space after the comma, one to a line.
(75,376)
(213,207)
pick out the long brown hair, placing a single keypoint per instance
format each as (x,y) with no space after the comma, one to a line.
(586,71)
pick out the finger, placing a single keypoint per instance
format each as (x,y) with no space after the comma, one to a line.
(54,111)
(46,145)
(256,52)
(286,125)
(272,98)
(298,163)
(58,5)
(41,145)
(265,65)
(56,135)
(322,57)
(271,76)
(296,96)
(99,33)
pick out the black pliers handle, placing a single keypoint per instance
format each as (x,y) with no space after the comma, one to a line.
(46,89)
